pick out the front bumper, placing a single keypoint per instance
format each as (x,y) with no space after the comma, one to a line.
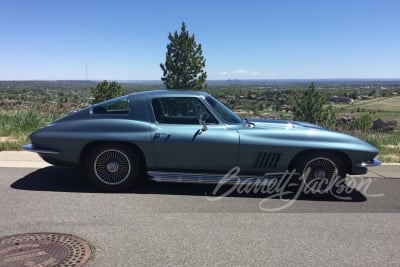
(371,163)
(361,167)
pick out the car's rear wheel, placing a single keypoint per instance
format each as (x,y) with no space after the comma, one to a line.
(113,167)
(320,173)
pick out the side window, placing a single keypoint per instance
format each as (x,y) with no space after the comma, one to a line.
(180,110)
(204,114)
(114,106)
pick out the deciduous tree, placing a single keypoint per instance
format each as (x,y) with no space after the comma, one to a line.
(105,90)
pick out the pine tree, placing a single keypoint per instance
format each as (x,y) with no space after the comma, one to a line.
(309,107)
(184,62)
(104,91)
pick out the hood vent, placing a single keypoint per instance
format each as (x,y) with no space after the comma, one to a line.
(267,160)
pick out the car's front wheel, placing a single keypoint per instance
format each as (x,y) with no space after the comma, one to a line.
(320,173)
(113,167)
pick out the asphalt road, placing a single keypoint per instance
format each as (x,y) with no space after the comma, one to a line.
(162,224)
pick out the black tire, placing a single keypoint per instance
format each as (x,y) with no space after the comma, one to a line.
(320,173)
(113,167)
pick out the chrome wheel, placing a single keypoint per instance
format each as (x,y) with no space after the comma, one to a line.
(112,167)
(320,174)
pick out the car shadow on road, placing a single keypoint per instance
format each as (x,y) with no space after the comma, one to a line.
(62,179)
(57,179)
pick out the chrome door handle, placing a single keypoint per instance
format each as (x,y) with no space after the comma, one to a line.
(164,136)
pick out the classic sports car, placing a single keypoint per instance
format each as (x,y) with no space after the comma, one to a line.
(182,136)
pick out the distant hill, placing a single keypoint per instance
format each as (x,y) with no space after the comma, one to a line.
(262,84)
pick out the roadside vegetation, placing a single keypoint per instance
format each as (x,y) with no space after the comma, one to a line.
(387,142)
(27,106)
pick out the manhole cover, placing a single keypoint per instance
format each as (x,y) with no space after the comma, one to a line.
(43,249)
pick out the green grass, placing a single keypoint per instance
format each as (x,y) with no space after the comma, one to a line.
(15,126)
(22,121)
(382,107)
(388,144)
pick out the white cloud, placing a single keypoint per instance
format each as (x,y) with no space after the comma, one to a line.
(240,71)
(255,73)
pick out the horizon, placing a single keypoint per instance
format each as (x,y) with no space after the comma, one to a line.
(211,80)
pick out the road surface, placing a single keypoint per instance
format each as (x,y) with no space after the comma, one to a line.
(162,224)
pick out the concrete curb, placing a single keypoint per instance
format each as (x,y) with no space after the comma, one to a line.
(25,159)
(21,159)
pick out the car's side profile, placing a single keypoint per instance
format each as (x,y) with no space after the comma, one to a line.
(192,137)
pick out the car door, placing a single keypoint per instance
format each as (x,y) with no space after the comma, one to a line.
(181,142)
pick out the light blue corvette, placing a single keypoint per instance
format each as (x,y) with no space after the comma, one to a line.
(191,137)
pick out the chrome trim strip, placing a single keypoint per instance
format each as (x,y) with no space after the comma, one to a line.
(206,178)
(31,148)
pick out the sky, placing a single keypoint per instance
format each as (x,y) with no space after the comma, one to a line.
(247,39)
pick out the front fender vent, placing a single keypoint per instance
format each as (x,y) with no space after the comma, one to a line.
(267,160)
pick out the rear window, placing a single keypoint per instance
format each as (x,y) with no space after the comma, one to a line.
(114,106)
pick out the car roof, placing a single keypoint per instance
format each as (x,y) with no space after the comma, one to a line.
(171,92)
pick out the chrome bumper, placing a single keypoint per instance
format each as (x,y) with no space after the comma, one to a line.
(371,163)
(31,148)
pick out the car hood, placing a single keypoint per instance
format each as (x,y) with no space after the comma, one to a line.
(301,134)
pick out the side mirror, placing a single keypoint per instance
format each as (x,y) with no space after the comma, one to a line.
(203,121)
(205,128)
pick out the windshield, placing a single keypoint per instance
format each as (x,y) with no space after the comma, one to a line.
(224,113)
